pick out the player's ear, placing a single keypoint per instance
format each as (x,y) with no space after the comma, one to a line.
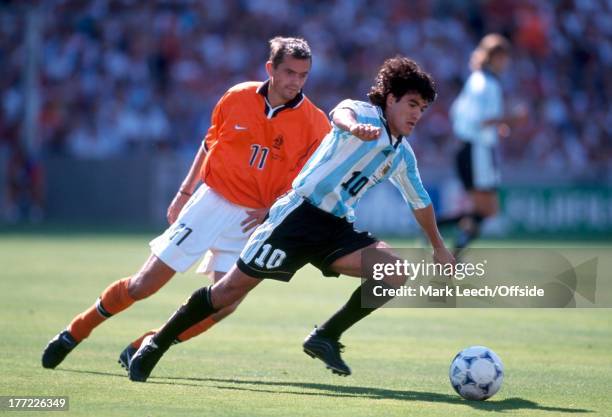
(269,68)
(390,100)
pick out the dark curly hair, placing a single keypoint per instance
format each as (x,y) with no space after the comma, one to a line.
(398,76)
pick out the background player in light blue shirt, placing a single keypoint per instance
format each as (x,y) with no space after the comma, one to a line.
(477,116)
(313,223)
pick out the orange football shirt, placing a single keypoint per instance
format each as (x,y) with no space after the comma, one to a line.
(253,151)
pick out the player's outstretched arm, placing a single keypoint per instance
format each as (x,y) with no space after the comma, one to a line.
(427,220)
(345,119)
(187,187)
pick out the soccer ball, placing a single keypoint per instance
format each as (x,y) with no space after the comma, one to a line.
(476,373)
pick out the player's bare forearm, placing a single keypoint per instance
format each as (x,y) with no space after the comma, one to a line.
(345,120)
(426,218)
(187,186)
(518,117)
(498,121)
(503,125)
(193,176)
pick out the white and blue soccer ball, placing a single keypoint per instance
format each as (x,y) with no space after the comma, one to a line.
(476,373)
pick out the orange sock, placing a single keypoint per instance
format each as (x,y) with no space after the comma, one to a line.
(82,325)
(113,300)
(196,329)
(136,343)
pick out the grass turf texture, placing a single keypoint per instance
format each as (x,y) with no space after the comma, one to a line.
(557,362)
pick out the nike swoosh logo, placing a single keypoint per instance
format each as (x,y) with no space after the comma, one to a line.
(238,127)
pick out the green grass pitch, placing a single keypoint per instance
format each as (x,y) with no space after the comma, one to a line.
(558,362)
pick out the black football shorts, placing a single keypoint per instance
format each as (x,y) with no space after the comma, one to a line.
(296,233)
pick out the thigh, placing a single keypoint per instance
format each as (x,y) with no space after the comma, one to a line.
(343,242)
(352,264)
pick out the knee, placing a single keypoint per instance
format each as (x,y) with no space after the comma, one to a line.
(382,245)
(225,296)
(394,277)
(396,280)
(230,308)
(387,251)
(228,295)
(152,276)
(139,288)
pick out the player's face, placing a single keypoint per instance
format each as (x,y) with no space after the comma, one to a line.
(403,114)
(500,62)
(288,78)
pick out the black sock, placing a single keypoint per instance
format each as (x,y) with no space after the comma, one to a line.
(352,312)
(465,237)
(196,309)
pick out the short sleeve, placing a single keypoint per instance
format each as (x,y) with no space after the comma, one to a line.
(408,181)
(364,112)
(216,120)
(345,104)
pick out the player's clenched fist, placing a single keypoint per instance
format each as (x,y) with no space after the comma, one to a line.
(365,131)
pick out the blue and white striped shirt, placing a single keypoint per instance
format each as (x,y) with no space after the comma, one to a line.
(344,167)
(479,100)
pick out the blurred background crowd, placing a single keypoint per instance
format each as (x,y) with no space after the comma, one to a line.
(124,76)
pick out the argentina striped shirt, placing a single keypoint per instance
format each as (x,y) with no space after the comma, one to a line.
(344,167)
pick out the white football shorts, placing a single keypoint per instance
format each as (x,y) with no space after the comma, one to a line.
(208,224)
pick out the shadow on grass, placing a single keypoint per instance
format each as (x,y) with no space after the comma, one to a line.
(344,391)
(81,371)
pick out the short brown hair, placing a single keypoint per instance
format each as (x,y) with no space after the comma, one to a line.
(492,44)
(280,47)
(399,76)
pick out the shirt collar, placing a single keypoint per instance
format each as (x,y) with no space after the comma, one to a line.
(270,111)
(381,114)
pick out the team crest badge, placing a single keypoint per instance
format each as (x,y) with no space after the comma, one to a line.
(386,169)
